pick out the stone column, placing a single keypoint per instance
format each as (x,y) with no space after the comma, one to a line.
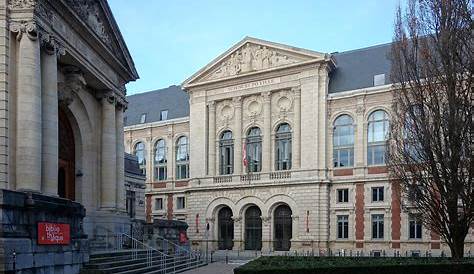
(267,237)
(120,199)
(267,132)
(238,233)
(212,139)
(297,129)
(50,148)
(29,124)
(108,154)
(238,135)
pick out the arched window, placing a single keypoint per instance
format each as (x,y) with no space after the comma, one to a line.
(283,228)
(226,229)
(411,133)
(182,158)
(160,161)
(283,147)
(140,152)
(378,126)
(226,146)
(253,228)
(343,141)
(254,150)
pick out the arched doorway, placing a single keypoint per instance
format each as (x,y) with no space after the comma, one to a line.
(283,228)
(66,162)
(226,229)
(253,228)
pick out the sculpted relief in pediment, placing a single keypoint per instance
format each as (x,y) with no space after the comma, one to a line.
(90,13)
(251,57)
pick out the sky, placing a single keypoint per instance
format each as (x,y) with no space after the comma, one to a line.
(170,40)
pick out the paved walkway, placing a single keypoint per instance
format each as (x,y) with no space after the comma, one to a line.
(214,268)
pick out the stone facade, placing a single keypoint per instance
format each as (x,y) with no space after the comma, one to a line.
(64,69)
(263,84)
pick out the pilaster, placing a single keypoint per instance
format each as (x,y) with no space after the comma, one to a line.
(120,191)
(212,139)
(267,132)
(297,128)
(237,135)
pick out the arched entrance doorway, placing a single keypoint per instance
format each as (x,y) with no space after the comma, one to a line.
(66,162)
(283,228)
(226,228)
(253,228)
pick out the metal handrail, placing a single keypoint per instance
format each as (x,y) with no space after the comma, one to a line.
(176,246)
(168,263)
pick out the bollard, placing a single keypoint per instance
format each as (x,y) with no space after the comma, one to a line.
(226,256)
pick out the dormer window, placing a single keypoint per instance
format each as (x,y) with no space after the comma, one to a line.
(143,118)
(379,79)
(164,115)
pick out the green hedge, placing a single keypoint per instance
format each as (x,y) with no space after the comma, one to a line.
(345,265)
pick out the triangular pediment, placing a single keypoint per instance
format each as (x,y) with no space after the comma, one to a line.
(252,55)
(97,16)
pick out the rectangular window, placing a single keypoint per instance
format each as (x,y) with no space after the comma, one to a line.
(159,204)
(377,194)
(376,155)
(415,227)
(164,115)
(343,195)
(130,203)
(182,171)
(377,226)
(343,227)
(143,118)
(180,203)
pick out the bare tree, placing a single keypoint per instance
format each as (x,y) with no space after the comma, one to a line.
(431,150)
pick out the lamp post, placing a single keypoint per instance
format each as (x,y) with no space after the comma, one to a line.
(207,242)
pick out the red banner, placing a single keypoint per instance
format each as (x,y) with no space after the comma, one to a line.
(54,234)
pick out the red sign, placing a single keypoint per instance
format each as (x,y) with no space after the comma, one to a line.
(53,234)
(182,237)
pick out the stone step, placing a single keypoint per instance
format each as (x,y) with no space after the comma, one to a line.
(157,269)
(123,261)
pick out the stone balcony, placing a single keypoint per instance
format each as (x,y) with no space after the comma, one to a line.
(274,177)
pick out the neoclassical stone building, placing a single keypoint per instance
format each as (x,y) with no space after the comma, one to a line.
(64,66)
(280,148)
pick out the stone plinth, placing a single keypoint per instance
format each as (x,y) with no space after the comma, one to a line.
(19,214)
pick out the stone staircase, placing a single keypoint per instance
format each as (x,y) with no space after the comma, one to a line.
(139,262)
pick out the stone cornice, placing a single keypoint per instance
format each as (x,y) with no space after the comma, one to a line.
(257,75)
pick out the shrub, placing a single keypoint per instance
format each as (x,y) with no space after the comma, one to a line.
(345,265)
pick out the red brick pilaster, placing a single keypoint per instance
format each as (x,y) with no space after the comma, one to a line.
(435,240)
(359,215)
(170,207)
(396,214)
(148,208)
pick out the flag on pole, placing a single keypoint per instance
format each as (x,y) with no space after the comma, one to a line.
(244,154)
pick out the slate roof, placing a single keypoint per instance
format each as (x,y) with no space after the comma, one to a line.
(151,103)
(131,165)
(355,69)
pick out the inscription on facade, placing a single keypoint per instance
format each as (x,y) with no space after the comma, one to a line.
(254,84)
